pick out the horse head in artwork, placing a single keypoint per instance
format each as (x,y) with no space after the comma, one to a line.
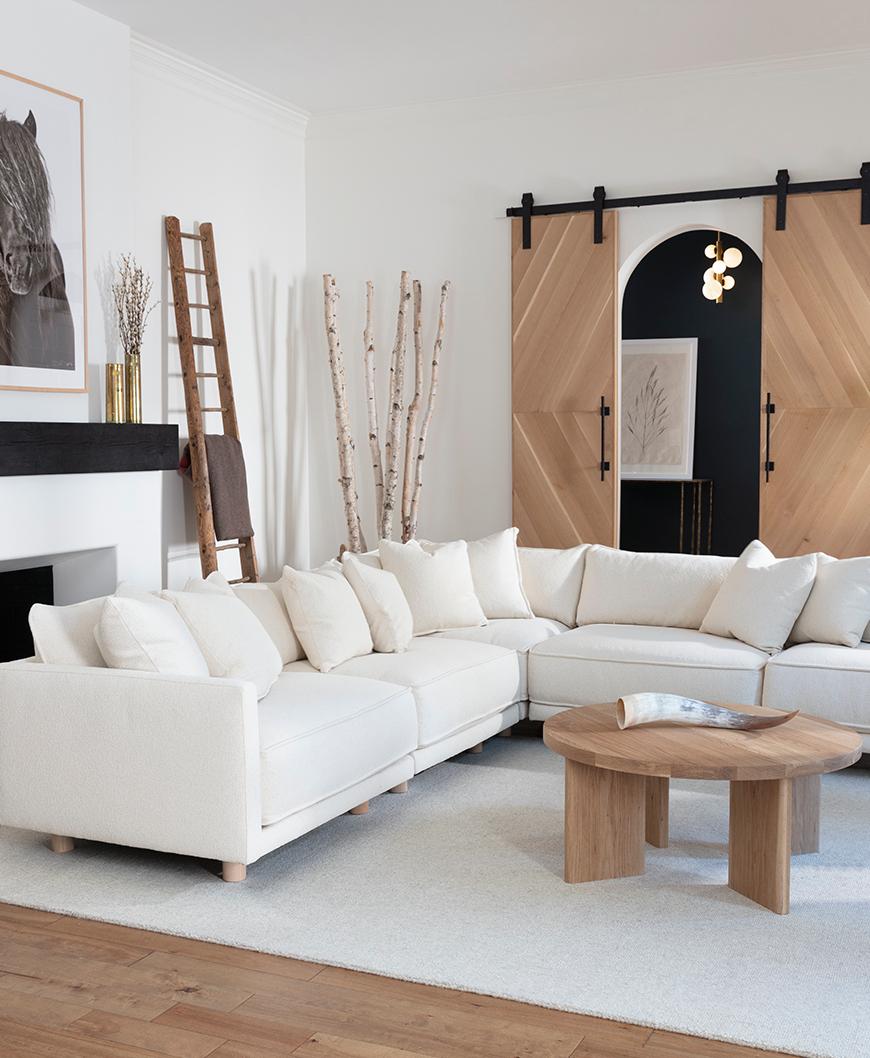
(25,206)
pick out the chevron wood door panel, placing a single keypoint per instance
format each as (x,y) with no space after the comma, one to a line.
(816,366)
(564,359)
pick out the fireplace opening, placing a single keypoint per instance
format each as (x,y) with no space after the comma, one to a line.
(19,590)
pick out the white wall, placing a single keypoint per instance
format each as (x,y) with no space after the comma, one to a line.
(425,188)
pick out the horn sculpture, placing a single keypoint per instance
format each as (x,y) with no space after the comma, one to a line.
(635,709)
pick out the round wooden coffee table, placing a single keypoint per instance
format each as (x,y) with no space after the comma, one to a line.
(616,791)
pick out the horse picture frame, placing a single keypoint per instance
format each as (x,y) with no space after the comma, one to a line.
(43,269)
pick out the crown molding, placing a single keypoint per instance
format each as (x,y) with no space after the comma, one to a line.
(173,67)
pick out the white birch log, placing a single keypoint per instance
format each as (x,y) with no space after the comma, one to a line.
(372,405)
(430,408)
(393,443)
(413,412)
(344,437)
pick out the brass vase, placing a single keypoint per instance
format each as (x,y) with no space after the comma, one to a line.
(133,387)
(115,411)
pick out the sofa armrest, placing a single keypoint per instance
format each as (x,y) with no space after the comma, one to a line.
(132,758)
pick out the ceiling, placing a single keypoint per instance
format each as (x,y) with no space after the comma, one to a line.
(348,54)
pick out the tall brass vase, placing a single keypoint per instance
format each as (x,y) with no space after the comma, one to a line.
(133,387)
(115,410)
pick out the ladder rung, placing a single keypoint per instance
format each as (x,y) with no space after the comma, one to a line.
(240,580)
(197,305)
(240,546)
(214,409)
(207,374)
(203,341)
(195,271)
(190,235)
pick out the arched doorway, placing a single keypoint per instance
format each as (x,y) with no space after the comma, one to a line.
(662,300)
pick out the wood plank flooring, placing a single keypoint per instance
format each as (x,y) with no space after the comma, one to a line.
(72,987)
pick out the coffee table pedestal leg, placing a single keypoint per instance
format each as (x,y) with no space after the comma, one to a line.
(605,813)
(759,841)
(657,797)
(806,794)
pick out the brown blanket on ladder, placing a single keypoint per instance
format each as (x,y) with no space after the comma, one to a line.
(228,483)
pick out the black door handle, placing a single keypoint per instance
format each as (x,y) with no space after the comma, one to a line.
(769,409)
(604,464)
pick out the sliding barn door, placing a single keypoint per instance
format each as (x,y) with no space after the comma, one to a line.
(564,356)
(816,367)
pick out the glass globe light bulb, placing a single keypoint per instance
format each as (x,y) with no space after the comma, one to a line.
(719,267)
(728,282)
(732,257)
(710,251)
(708,275)
(712,290)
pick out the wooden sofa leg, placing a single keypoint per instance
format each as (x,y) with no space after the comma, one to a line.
(401,788)
(360,810)
(234,872)
(58,843)
(477,749)
(508,731)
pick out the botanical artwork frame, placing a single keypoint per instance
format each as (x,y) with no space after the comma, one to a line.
(658,388)
(43,286)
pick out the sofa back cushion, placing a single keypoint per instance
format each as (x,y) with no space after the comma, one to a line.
(232,640)
(551,580)
(140,631)
(838,608)
(383,601)
(437,584)
(64,635)
(761,597)
(326,615)
(649,588)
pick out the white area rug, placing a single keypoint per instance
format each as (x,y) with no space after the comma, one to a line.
(458,883)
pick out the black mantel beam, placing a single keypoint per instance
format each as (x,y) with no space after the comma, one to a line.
(86,447)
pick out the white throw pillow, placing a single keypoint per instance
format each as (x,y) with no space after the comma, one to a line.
(838,608)
(326,616)
(495,572)
(437,584)
(265,600)
(145,633)
(383,603)
(649,587)
(64,635)
(232,640)
(552,579)
(761,598)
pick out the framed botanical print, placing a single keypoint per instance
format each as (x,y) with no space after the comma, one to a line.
(658,408)
(43,297)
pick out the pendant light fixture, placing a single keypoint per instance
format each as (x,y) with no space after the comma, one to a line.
(716,281)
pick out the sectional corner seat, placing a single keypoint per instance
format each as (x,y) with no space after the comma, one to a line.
(197,766)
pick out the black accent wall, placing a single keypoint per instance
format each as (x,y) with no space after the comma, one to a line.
(663,300)
(19,590)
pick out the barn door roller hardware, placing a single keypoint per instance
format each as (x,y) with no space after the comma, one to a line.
(780,190)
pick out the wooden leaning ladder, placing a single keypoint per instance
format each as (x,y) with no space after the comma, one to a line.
(187,343)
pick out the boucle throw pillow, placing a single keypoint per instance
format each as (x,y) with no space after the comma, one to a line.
(495,572)
(383,603)
(552,579)
(140,631)
(64,635)
(265,600)
(437,584)
(232,640)
(326,616)
(838,608)
(761,598)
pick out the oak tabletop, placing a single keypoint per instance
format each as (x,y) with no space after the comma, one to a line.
(805,745)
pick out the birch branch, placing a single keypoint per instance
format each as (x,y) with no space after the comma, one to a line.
(372,404)
(413,412)
(344,437)
(392,446)
(430,408)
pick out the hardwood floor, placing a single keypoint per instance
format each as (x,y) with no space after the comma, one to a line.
(72,987)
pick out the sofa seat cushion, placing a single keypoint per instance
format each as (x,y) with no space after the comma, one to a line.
(519,634)
(824,680)
(321,734)
(600,662)
(454,682)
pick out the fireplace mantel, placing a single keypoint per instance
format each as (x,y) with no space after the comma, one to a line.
(86,447)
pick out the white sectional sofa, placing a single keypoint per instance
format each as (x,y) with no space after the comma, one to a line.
(197,765)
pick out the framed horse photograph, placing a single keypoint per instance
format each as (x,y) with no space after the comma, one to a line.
(43,296)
